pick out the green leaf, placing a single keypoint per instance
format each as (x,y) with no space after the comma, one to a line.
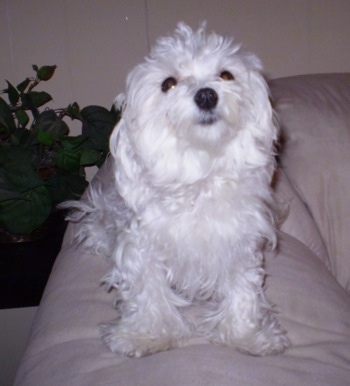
(28,213)
(45,72)
(45,138)
(49,122)
(22,117)
(68,159)
(98,123)
(8,154)
(20,172)
(23,85)
(25,202)
(35,99)
(73,111)
(12,93)
(74,142)
(90,157)
(7,122)
(22,136)
(39,98)
(7,190)
(66,186)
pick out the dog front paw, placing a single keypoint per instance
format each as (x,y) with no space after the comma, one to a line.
(266,344)
(271,339)
(264,337)
(117,342)
(133,345)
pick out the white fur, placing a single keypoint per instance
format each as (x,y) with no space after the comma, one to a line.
(189,208)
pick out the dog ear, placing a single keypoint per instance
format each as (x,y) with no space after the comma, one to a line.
(267,126)
(127,170)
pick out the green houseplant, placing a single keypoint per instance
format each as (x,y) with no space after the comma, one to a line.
(40,164)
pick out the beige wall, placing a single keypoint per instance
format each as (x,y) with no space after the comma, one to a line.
(95,42)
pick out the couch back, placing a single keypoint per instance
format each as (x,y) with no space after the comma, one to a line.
(314,112)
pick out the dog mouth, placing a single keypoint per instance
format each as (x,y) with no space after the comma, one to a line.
(208,119)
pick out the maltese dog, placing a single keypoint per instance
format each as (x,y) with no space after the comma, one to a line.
(188,209)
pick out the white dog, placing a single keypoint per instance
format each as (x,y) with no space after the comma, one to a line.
(189,208)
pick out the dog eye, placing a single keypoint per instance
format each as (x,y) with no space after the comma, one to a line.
(226,75)
(168,84)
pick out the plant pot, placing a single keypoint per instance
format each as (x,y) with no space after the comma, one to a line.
(26,262)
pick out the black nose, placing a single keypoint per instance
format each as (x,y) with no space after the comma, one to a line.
(206,98)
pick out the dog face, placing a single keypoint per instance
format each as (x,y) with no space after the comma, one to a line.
(191,100)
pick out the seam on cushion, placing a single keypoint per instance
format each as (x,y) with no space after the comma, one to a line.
(327,263)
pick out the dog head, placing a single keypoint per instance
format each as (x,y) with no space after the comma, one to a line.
(198,101)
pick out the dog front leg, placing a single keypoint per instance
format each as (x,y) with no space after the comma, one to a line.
(247,321)
(150,320)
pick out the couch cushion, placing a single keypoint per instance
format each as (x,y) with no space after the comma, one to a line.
(296,218)
(65,349)
(315,115)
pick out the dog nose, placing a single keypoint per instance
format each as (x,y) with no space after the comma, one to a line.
(206,98)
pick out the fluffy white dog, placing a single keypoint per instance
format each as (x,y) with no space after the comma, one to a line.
(189,208)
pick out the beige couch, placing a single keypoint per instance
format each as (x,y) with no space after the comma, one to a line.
(309,277)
